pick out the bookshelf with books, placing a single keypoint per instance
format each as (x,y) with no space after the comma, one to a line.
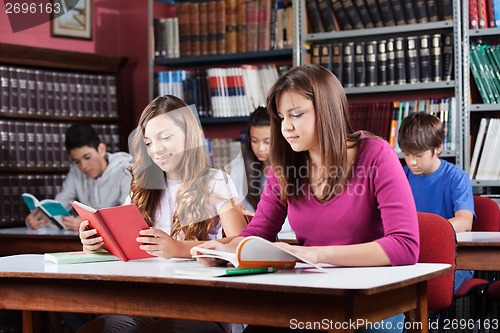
(226,69)
(481,80)
(391,57)
(44,91)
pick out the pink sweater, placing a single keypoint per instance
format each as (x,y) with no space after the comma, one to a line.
(376,205)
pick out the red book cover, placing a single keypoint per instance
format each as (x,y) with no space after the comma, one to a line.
(473,16)
(482,14)
(118,226)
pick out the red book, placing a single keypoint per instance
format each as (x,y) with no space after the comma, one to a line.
(118,226)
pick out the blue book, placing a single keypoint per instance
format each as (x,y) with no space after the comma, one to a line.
(52,208)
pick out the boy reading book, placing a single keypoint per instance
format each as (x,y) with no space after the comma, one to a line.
(96,178)
(53,209)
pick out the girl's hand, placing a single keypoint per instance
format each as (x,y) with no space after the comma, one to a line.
(309,253)
(89,237)
(158,243)
(213,245)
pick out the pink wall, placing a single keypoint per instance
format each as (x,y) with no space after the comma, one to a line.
(119,28)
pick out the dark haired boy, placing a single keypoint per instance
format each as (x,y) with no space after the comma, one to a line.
(96,178)
(438,186)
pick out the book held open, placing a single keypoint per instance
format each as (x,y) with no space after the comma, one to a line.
(52,208)
(254,252)
(118,226)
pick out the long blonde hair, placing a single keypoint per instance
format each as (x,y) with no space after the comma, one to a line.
(149,181)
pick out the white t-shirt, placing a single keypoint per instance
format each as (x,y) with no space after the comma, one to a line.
(221,185)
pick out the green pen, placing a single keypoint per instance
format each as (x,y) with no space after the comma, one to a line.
(257,270)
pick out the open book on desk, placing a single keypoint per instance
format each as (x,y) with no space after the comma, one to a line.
(53,209)
(255,251)
(118,226)
(78,257)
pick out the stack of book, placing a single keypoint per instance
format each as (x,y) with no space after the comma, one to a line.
(485,68)
(210,27)
(484,14)
(485,162)
(412,59)
(221,92)
(335,15)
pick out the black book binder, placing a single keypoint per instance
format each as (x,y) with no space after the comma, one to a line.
(382,62)
(436,58)
(337,60)
(425,58)
(371,63)
(391,62)
(412,62)
(348,65)
(399,49)
(359,64)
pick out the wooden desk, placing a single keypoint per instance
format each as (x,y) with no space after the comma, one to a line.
(24,240)
(149,287)
(478,251)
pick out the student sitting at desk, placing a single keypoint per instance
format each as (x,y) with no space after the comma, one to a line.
(97,178)
(345,192)
(183,200)
(438,186)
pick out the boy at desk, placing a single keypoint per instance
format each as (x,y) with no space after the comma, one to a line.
(438,186)
(97,178)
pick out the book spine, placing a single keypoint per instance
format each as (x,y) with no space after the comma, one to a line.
(364,13)
(397,9)
(400,61)
(337,62)
(327,17)
(387,14)
(231,26)
(316,53)
(241,26)
(409,12)
(421,11)
(313,16)
(221,26)
(446,9)
(432,10)
(382,62)
(348,78)
(359,64)
(482,14)
(341,15)
(371,63)
(436,46)
(212,27)
(374,12)
(326,56)
(391,62)
(412,61)
(448,61)
(252,15)
(352,14)
(194,26)
(425,58)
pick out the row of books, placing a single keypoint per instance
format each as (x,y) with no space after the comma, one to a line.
(485,68)
(485,161)
(221,92)
(13,208)
(43,92)
(443,108)
(210,27)
(335,15)
(41,144)
(399,60)
(484,14)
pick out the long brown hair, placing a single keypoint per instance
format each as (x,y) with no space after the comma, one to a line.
(335,133)
(148,180)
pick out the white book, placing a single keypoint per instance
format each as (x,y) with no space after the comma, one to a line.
(488,148)
(478,147)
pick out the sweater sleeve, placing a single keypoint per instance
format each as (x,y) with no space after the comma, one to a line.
(398,212)
(270,214)
(68,191)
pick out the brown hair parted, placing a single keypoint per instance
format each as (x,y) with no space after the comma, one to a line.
(148,180)
(419,132)
(335,133)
